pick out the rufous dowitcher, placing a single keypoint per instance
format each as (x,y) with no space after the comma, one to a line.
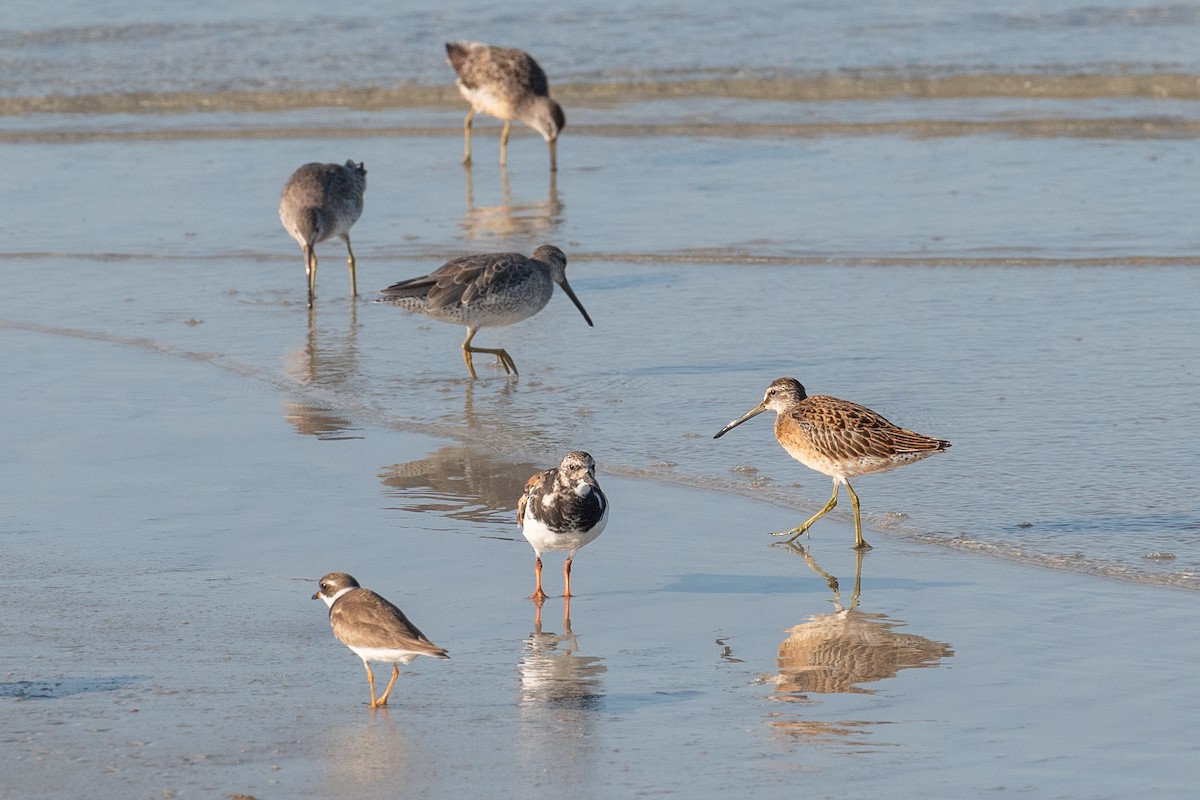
(373,628)
(320,201)
(487,290)
(562,509)
(837,438)
(508,84)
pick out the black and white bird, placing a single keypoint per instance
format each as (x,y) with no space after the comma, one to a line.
(373,628)
(562,509)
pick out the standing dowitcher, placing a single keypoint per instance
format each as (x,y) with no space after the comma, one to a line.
(562,509)
(320,201)
(488,290)
(837,438)
(508,84)
(373,628)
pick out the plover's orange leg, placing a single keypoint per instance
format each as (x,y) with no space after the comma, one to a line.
(800,530)
(371,682)
(538,595)
(382,701)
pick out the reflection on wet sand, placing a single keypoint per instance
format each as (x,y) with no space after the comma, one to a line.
(836,652)
(328,359)
(461,483)
(561,697)
(365,759)
(535,220)
(559,676)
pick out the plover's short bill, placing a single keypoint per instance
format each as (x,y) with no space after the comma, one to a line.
(373,628)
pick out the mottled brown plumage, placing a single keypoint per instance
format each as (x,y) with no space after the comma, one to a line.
(508,84)
(838,438)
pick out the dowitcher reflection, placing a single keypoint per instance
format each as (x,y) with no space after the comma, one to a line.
(529,219)
(836,652)
(837,438)
(320,201)
(508,84)
(488,290)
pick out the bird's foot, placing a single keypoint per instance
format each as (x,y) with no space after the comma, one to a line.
(794,533)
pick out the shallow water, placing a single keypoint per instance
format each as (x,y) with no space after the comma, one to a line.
(975,222)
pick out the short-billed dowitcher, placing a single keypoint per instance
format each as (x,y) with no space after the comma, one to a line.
(320,201)
(373,628)
(508,84)
(837,438)
(488,290)
(562,509)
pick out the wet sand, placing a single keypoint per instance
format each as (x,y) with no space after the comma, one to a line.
(165,525)
(188,451)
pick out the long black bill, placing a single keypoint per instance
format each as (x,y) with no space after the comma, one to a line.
(566,287)
(754,412)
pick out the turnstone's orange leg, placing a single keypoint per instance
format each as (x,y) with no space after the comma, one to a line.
(567,578)
(538,594)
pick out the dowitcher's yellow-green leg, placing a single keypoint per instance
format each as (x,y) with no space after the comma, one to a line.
(467,135)
(310,267)
(504,142)
(502,356)
(799,530)
(350,261)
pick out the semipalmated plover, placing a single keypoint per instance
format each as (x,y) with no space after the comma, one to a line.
(373,628)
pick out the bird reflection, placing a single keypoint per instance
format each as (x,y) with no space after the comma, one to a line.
(560,698)
(535,220)
(837,652)
(459,482)
(328,360)
(372,758)
(552,672)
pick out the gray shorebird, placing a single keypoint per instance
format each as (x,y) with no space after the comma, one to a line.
(562,509)
(837,438)
(508,84)
(318,202)
(373,628)
(488,290)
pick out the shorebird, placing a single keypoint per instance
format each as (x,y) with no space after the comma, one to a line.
(488,290)
(320,201)
(373,628)
(837,438)
(562,509)
(508,84)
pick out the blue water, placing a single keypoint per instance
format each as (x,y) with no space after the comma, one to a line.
(1017,273)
